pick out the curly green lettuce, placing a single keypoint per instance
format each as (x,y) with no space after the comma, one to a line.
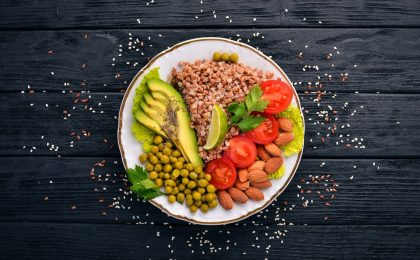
(279,173)
(140,132)
(293,113)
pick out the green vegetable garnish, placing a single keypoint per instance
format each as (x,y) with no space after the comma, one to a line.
(295,146)
(241,112)
(141,185)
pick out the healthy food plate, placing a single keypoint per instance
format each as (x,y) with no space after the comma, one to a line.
(210,131)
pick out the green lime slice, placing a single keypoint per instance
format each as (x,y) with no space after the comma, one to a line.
(218,128)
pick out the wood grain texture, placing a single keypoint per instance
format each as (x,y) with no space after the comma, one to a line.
(87,241)
(365,194)
(125,14)
(386,59)
(384,122)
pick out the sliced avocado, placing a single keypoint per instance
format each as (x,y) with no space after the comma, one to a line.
(158,117)
(177,123)
(154,104)
(160,97)
(149,123)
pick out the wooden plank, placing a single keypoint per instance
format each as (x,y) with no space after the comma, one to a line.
(100,14)
(367,192)
(382,123)
(386,59)
(90,241)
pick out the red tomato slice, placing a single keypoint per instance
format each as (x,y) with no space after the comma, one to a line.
(266,132)
(223,173)
(278,93)
(242,151)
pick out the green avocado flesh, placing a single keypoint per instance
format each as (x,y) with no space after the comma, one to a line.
(164,111)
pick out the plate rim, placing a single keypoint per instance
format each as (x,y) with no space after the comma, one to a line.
(172,48)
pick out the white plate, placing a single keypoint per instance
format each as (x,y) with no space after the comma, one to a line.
(192,50)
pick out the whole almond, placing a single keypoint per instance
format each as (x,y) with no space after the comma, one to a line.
(285,124)
(273,149)
(225,199)
(284,138)
(257,165)
(262,153)
(242,185)
(237,195)
(257,176)
(254,194)
(273,164)
(243,175)
(260,185)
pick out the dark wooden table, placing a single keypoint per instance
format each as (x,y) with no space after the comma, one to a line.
(64,66)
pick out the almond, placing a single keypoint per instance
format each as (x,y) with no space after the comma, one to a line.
(284,138)
(243,175)
(260,185)
(254,194)
(257,165)
(262,153)
(273,164)
(237,195)
(285,124)
(273,149)
(242,185)
(225,199)
(257,176)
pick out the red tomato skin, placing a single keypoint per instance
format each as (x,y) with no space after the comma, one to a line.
(259,134)
(217,163)
(241,144)
(278,93)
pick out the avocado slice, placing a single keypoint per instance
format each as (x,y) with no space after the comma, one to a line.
(158,117)
(160,97)
(177,121)
(154,104)
(149,123)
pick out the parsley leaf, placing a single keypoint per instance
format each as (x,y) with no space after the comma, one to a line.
(250,122)
(141,185)
(241,112)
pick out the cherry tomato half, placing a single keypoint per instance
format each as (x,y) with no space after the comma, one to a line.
(242,151)
(223,173)
(278,93)
(266,132)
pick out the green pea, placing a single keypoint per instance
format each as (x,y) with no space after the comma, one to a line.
(171,198)
(159,182)
(210,197)
(176,153)
(158,139)
(225,57)
(167,168)
(193,208)
(181,159)
(153,160)
(159,154)
(207,177)
(181,187)
(211,188)
(161,146)
(149,167)
(173,159)
(167,151)
(201,175)
(189,202)
(204,208)
(170,183)
(202,183)
(161,174)
(153,175)
(149,155)
(187,191)
(191,185)
(185,181)
(198,169)
(175,173)
(184,173)
(189,167)
(175,191)
(154,149)
(167,176)
(143,158)
(201,190)
(158,167)
(196,195)
(164,159)
(234,57)
(197,203)
(213,204)
(189,197)
(169,144)
(193,175)
(168,189)
(180,197)
(179,165)
(217,56)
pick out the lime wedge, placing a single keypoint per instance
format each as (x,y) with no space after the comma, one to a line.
(218,128)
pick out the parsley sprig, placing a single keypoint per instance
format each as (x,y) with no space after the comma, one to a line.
(141,185)
(241,112)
